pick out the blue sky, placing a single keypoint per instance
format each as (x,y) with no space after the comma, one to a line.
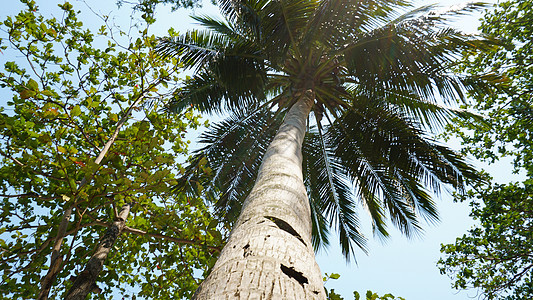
(401,266)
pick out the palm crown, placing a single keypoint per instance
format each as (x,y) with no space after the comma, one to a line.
(380,81)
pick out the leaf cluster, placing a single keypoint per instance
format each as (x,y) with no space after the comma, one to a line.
(331,295)
(507,131)
(496,256)
(70,91)
(148,7)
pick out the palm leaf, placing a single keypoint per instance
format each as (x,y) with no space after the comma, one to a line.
(329,189)
(337,22)
(226,29)
(430,114)
(385,154)
(225,82)
(413,59)
(234,149)
(195,48)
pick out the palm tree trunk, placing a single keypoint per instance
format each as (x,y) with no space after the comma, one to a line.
(269,254)
(86,281)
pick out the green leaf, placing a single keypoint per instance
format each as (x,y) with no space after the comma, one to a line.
(356,295)
(47,93)
(58,133)
(113,117)
(76,111)
(32,85)
(25,94)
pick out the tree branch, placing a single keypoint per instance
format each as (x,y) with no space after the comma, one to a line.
(169,238)
(159,236)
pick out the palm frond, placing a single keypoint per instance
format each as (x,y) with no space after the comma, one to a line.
(329,189)
(283,24)
(234,149)
(414,13)
(381,76)
(243,12)
(430,114)
(219,26)
(442,15)
(195,48)
(202,92)
(339,21)
(432,15)
(228,83)
(413,60)
(386,154)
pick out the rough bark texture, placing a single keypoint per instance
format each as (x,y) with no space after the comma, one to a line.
(56,261)
(86,281)
(269,254)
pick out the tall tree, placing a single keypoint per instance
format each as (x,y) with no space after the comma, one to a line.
(370,77)
(85,282)
(82,136)
(495,256)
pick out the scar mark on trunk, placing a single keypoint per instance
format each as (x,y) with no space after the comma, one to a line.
(247,250)
(292,273)
(286,227)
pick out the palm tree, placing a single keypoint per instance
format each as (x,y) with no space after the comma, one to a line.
(376,83)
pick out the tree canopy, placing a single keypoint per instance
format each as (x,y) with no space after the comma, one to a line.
(508,123)
(148,7)
(495,256)
(68,91)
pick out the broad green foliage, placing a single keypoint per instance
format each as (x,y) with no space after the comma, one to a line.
(64,91)
(147,7)
(495,256)
(510,112)
(331,295)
